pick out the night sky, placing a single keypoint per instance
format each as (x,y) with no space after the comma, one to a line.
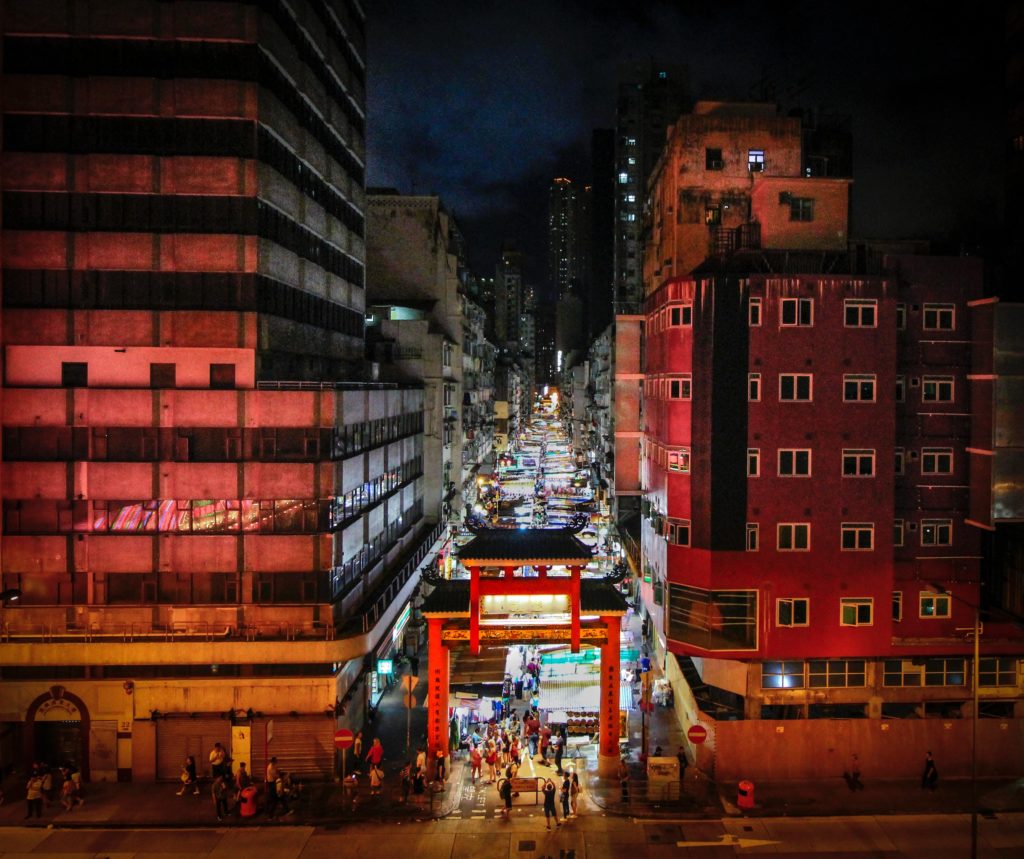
(483,103)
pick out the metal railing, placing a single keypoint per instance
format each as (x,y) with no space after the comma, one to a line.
(173,631)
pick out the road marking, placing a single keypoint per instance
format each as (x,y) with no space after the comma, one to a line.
(728,841)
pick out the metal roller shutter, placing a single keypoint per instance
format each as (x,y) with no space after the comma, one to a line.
(178,738)
(303,746)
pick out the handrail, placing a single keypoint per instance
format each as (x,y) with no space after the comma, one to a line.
(130,632)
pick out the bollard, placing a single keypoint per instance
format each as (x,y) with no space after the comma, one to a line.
(745,794)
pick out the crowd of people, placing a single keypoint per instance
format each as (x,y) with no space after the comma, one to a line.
(49,785)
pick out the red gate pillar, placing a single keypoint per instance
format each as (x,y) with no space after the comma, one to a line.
(474,610)
(437,692)
(608,748)
(574,599)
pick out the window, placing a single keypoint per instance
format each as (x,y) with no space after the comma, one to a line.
(794,462)
(222,376)
(897,533)
(754,312)
(449,392)
(939,317)
(74,374)
(754,387)
(678,532)
(897,605)
(446,354)
(899,672)
(900,459)
(858,463)
(782,675)
(801,208)
(901,389)
(712,215)
(792,612)
(936,532)
(944,672)
(901,317)
(856,611)
(753,537)
(857,536)
(679,388)
(859,388)
(680,314)
(997,671)
(937,460)
(937,389)
(797,311)
(835,673)
(713,159)
(162,375)
(755,160)
(623,178)
(679,460)
(860,312)
(934,605)
(753,462)
(795,387)
(794,537)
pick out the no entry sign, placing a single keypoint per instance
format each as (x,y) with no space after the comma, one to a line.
(343,739)
(697,734)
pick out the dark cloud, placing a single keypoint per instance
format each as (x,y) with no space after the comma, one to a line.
(483,103)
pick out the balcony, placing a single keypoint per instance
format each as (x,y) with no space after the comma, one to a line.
(727,239)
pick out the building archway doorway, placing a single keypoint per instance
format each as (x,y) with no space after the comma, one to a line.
(57,731)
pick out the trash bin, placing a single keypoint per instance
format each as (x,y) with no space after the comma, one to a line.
(745,794)
(247,802)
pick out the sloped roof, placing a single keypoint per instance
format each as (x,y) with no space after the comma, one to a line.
(596,597)
(554,546)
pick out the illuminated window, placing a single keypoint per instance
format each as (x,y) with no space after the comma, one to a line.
(753,537)
(755,160)
(858,463)
(939,317)
(679,460)
(859,313)
(937,460)
(933,605)
(794,462)
(797,312)
(782,675)
(794,537)
(795,387)
(754,387)
(859,388)
(712,215)
(754,312)
(792,612)
(936,532)
(623,178)
(801,209)
(753,462)
(856,611)
(937,389)
(857,536)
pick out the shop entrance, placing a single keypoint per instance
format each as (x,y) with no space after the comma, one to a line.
(59,743)
(526,589)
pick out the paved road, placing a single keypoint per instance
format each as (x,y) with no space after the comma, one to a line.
(524,837)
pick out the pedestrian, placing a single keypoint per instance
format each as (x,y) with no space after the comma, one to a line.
(47,772)
(217,758)
(505,792)
(376,753)
(549,804)
(282,790)
(272,777)
(220,796)
(414,665)
(624,779)
(853,775)
(442,764)
(68,798)
(242,781)
(476,762)
(376,779)
(406,776)
(565,795)
(357,746)
(519,688)
(34,794)
(491,759)
(558,742)
(189,778)
(421,760)
(574,792)
(545,741)
(681,757)
(930,776)
(419,781)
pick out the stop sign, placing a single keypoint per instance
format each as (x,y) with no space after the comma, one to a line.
(697,734)
(344,738)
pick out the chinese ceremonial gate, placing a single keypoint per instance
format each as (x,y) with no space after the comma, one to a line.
(500,605)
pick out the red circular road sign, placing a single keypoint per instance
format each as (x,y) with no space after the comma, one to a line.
(697,734)
(344,738)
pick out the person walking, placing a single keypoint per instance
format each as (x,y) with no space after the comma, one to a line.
(69,798)
(442,765)
(930,776)
(219,791)
(624,779)
(574,792)
(189,778)
(241,782)
(272,776)
(683,763)
(558,743)
(376,779)
(564,795)
(282,792)
(505,792)
(357,746)
(217,758)
(376,753)
(406,777)
(853,775)
(549,804)
(476,762)
(491,759)
(34,795)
